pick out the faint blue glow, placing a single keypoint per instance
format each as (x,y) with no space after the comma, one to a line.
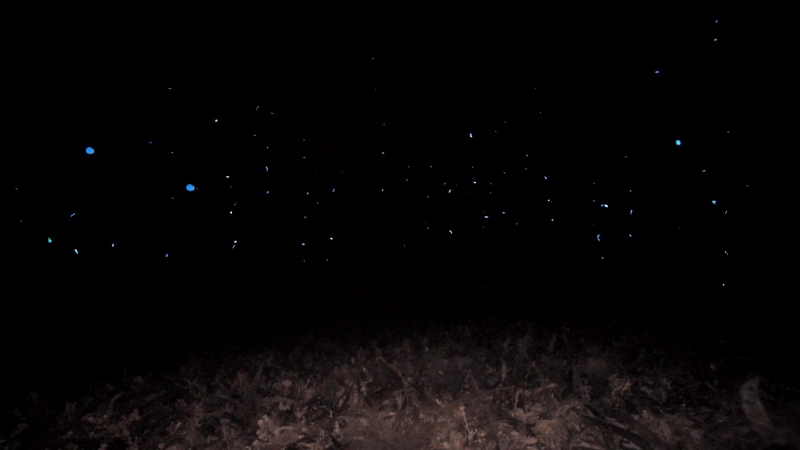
(267,168)
(604,205)
(89,151)
(598,237)
(678,142)
(470,135)
(451,231)
(216,120)
(714,202)
(49,241)
(334,190)
(76,251)
(166,256)
(190,187)
(303,244)
(657,71)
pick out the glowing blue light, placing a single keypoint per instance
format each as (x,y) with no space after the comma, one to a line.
(89,151)
(714,202)
(190,187)
(657,71)
(678,142)
(49,241)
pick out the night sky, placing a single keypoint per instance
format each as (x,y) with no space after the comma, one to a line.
(344,189)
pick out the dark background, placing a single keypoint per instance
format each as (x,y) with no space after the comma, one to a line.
(569,101)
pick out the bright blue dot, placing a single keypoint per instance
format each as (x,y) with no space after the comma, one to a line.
(657,71)
(189,187)
(678,142)
(49,241)
(89,151)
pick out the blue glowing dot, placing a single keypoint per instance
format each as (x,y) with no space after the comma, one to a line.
(190,187)
(678,142)
(89,151)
